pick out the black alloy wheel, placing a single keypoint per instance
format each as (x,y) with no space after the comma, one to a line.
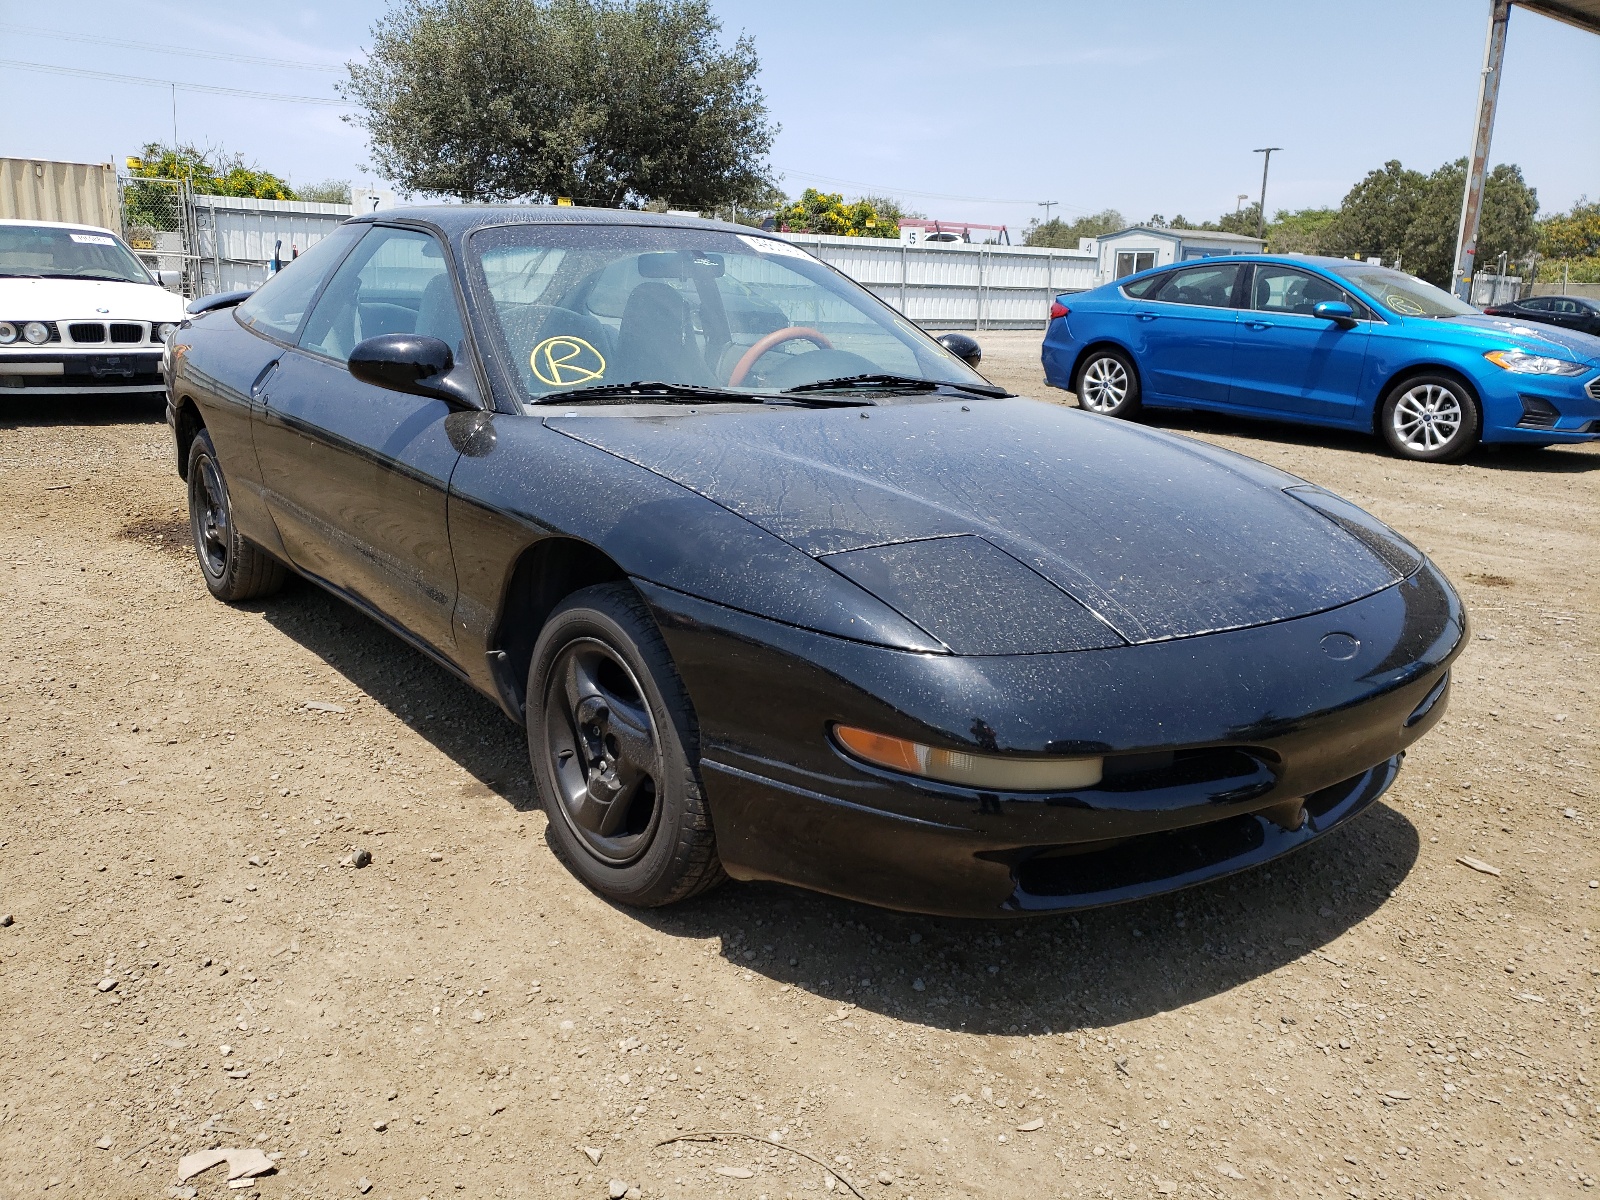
(234,569)
(612,738)
(1108,383)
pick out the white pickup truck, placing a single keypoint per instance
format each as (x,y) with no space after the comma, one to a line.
(79,313)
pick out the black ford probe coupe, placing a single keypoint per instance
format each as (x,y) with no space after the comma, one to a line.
(780,587)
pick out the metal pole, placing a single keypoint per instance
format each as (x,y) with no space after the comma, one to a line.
(1494,52)
(1261,222)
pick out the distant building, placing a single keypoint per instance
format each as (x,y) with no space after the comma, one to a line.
(1140,247)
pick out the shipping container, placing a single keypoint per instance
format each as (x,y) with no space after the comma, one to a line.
(33,189)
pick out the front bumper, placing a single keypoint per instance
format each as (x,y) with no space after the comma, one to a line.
(56,373)
(1541,409)
(1223,739)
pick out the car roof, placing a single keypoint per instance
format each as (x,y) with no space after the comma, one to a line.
(1326,261)
(459,219)
(57,225)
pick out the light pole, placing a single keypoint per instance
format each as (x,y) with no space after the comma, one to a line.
(1261,224)
(1047,205)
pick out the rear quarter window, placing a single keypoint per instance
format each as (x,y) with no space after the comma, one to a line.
(1140,289)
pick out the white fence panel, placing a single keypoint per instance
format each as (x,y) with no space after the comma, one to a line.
(237,235)
(958,286)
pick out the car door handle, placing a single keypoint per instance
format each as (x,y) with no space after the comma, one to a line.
(1145,316)
(260,384)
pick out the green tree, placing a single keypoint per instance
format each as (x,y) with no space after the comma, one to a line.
(1569,244)
(1303,231)
(1064,235)
(1376,214)
(329,191)
(1572,235)
(610,102)
(829,212)
(1400,214)
(210,172)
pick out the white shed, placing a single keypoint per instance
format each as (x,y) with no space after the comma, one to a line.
(1140,247)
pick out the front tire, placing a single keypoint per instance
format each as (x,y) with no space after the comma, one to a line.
(614,746)
(1430,418)
(234,569)
(1108,384)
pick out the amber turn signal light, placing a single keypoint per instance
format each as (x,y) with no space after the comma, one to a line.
(999,772)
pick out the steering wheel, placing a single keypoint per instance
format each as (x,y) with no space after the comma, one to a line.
(776,338)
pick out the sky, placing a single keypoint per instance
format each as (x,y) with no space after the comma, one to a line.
(973,112)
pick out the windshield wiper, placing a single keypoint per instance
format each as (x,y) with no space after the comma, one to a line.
(648,390)
(874,381)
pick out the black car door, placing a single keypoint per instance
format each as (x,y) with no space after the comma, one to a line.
(357,475)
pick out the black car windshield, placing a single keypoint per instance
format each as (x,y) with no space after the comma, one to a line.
(53,252)
(575,306)
(1402,293)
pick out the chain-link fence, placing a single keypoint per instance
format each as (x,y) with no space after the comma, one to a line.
(158,221)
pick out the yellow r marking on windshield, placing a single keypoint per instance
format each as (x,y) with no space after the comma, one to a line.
(564,361)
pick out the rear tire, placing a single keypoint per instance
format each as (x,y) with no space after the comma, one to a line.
(234,569)
(1107,383)
(614,745)
(1430,418)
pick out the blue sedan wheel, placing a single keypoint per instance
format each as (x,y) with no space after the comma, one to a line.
(1430,418)
(1108,384)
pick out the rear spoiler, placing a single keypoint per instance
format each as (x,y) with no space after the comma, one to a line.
(205,304)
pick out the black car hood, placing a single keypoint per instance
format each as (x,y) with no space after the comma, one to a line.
(1156,536)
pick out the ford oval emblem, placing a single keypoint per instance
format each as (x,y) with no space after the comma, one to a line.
(1340,646)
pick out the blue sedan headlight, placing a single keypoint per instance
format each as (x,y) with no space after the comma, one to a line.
(1520,362)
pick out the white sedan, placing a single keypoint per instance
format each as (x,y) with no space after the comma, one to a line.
(79,313)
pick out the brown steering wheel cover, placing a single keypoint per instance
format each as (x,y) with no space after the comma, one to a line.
(776,338)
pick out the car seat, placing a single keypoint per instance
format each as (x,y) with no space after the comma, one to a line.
(656,340)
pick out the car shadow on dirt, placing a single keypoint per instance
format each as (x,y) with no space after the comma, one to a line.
(1063,972)
(1548,460)
(1003,977)
(17,410)
(467,727)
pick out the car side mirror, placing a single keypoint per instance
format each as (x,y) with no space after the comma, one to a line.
(1337,311)
(410,363)
(963,347)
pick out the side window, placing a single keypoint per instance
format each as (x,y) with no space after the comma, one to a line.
(279,304)
(1284,289)
(396,281)
(1142,288)
(1211,287)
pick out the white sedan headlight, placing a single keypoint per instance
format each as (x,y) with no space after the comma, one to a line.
(1520,362)
(8,333)
(36,333)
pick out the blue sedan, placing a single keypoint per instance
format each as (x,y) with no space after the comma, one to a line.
(1325,341)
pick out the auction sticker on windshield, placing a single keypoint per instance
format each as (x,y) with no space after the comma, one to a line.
(773,246)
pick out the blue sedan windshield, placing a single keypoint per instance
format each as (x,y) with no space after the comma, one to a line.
(1404,294)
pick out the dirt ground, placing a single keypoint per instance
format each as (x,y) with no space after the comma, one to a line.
(189,965)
